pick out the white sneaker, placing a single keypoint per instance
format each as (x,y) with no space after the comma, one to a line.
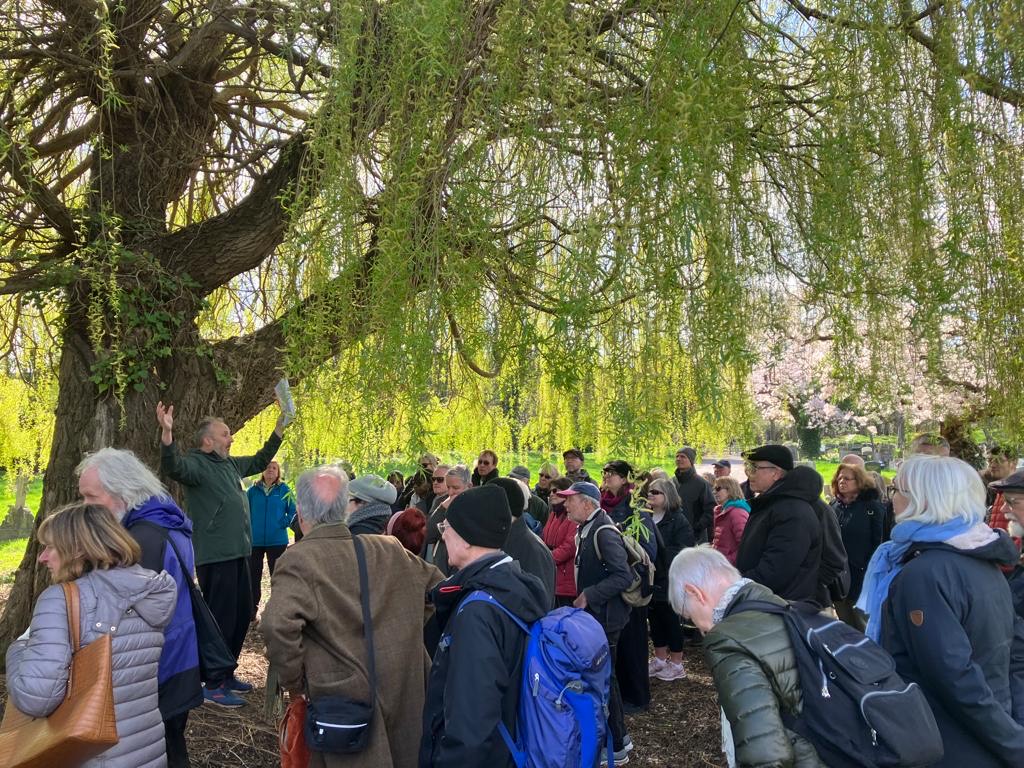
(671,671)
(655,665)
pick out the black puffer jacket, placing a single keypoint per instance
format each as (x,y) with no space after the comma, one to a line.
(862,523)
(950,626)
(460,717)
(698,502)
(675,535)
(781,545)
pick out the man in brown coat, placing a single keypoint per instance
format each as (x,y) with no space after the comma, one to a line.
(313,623)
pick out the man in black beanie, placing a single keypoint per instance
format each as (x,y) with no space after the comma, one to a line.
(523,545)
(696,496)
(479,641)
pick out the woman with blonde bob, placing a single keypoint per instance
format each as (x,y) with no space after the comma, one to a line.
(85,544)
(937,601)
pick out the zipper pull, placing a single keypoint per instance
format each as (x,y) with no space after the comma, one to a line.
(874,738)
(824,682)
(536,684)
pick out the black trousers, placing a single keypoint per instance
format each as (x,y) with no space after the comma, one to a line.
(227,589)
(665,627)
(631,664)
(174,738)
(616,717)
(256,569)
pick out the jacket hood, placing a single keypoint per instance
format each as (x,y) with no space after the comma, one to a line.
(151,595)
(1001,550)
(162,511)
(500,576)
(800,482)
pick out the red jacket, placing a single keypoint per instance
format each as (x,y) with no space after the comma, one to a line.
(730,520)
(560,536)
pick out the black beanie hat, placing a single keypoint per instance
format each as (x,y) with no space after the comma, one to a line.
(481,516)
(514,492)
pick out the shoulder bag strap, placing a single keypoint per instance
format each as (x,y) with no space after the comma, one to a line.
(74,615)
(364,598)
(167,537)
(597,546)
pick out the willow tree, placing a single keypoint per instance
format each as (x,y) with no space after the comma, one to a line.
(208,195)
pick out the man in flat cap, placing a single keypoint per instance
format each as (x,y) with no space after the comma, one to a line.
(782,543)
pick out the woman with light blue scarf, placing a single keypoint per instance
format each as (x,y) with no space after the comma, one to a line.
(937,601)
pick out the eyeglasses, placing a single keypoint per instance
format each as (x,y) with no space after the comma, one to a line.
(427,466)
(483,462)
(750,467)
(653,492)
(546,477)
(894,489)
(437,479)
(442,527)
(719,487)
(1014,502)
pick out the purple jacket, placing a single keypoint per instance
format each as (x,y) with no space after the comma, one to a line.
(178,674)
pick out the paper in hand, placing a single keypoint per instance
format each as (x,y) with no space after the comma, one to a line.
(284,397)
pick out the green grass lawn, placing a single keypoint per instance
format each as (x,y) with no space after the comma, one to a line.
(11,553)
(35,494)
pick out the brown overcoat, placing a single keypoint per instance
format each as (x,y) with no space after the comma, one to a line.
(313,623)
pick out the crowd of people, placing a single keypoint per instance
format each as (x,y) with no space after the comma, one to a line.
(927,566)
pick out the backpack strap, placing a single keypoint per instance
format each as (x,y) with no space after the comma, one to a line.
(597,546)
(479,596)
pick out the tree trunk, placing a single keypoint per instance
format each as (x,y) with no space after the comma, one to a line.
(86,421)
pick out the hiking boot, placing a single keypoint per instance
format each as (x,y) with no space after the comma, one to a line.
(238,686)
(655,665)
(671,671)
(222,697)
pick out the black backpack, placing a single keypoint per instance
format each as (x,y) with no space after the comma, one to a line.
(856,710)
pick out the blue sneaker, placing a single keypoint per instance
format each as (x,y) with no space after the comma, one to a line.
(238,686)
(222,697)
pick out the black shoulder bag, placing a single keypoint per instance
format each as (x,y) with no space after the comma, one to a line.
(339,724)
(216,662)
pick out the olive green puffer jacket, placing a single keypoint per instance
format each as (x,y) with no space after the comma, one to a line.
(755,674)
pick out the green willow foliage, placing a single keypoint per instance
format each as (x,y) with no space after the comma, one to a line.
(530,223)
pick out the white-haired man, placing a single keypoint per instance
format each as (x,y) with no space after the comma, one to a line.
(749,654)
(313,622)
(116,479)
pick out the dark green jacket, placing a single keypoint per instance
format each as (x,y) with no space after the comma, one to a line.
(215,499)
(755,674)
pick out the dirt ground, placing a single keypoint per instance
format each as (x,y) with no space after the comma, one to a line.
(680,730)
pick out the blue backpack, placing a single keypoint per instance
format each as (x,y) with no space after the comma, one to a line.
(562,721)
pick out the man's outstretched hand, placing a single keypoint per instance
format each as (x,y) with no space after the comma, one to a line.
(165,418)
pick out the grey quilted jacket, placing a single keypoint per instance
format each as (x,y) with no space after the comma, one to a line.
(132,605)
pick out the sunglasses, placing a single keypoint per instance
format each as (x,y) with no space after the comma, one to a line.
(438,479)
(655,493)
(546,477)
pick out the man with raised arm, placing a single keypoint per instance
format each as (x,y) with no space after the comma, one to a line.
(219,509)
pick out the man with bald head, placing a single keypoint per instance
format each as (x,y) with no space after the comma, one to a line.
(313,622)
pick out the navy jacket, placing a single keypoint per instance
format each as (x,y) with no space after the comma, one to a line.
(698,502)
(950,626)
(178,673)
(862,522)
(603,581)
(478,665)
(270,513)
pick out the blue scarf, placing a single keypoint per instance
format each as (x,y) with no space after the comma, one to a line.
(887,562)
(739,503)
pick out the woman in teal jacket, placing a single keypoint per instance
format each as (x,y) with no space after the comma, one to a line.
(271,511)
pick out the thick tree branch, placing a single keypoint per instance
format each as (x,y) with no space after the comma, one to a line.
(213,251)
(19,167)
